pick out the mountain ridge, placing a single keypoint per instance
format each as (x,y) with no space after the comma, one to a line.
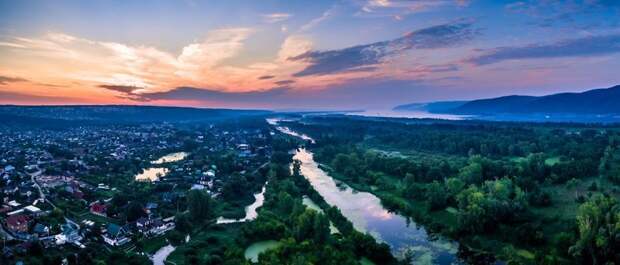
(598,101)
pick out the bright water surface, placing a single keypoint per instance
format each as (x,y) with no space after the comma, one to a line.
(367,214)
(173,157)
(155,173)
(252,252)
(250,210)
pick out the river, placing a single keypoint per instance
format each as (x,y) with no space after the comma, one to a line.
(250,210)
(288,131)
(367,214)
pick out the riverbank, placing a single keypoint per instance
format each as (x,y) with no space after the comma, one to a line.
(440,223)
(367,214)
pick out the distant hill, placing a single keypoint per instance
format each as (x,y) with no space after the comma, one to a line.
(64,115)
(439,106)
(597,101)
(593,102)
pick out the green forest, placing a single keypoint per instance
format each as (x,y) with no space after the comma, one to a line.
(527,193)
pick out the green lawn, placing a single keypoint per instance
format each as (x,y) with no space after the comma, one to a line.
(151,245)
(552,160)
(210,240)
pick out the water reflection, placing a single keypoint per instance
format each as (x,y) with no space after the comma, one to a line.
(367,214)
(156,173)
(252,252)
(152,174)
(250,210)
(288,131)
(173,157)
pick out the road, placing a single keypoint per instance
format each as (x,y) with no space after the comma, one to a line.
(33,178)
(261,166)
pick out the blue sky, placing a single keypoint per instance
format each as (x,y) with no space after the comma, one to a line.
(305,54)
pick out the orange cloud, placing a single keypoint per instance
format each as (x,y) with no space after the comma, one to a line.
(85,69)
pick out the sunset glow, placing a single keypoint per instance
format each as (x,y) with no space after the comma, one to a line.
(276,54)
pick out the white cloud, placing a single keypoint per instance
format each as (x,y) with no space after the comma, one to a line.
(398,9)
(196,58)
(276,17)
(293,46)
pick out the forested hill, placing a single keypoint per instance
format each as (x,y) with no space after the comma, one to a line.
(592,102)
(28,115)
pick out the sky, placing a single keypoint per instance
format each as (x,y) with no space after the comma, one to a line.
(348,54)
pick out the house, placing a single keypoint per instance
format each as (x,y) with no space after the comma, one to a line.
(33,210)
(18,223)
(154,226)
(98,208)
(210,173)
(70,234)
(143,224)
(9,168)
(115,235)
(41,230)
(14,204)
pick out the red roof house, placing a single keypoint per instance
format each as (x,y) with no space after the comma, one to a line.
(18,223)
(98,209)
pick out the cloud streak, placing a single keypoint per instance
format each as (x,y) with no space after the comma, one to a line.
(202,96)
(582,47)
(316,21)
(4,80)
(359,58)
(10,97)
(265,77)
(284,82)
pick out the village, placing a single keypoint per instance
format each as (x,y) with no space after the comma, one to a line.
(113,187)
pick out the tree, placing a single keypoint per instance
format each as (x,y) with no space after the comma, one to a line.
(311,225)
(454,186)
(119,199)
(236,187)
(199,205)
(598,223)
(436,195)
(134,211)
(183,222)
(296,167)
(472,173)
(472,213)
